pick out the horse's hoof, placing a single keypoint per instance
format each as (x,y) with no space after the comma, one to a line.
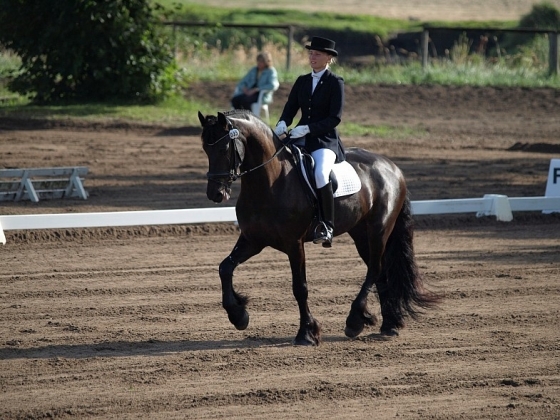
(353,333)
(390,332)
(305,342)
(308,337)
(240,323)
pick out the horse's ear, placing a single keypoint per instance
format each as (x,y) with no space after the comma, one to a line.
(222,119)
(201,118)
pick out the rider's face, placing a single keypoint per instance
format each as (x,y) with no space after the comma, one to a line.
(318,60)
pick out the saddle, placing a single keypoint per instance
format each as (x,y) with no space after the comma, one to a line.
(344,179)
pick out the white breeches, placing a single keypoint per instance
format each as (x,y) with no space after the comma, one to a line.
(324,162)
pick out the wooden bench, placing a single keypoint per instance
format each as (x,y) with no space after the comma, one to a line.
(41,183)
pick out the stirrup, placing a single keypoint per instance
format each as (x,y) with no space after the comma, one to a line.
(323,235)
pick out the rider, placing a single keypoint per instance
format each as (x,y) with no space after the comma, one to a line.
(320,96)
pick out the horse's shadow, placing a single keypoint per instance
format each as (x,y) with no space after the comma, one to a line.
(156,347)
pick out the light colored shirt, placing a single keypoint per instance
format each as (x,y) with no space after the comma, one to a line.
(268,81)
(316,77)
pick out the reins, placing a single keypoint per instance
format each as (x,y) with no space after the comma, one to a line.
(268,161)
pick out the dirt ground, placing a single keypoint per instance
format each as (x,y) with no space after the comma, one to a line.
(127,322)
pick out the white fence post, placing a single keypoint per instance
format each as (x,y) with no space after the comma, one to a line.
(2,236)
(497,205)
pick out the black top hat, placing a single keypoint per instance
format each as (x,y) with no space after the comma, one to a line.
(322,44)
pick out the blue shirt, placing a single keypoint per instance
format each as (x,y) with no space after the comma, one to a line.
(267,81)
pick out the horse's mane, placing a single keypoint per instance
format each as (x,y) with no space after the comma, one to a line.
(237,112)
(245,118)
(247,115)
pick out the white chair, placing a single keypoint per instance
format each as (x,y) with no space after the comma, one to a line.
(259,106)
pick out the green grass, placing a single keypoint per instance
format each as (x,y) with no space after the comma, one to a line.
(382,131)
(474,71)
(445,73)
(187,11)
(173,112)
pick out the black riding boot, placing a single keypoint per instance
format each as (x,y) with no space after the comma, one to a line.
(324,229)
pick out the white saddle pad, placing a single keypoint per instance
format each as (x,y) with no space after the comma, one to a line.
(348,180)
(346,176)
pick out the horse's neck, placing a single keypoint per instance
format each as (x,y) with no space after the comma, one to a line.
(261,151)
(264,164)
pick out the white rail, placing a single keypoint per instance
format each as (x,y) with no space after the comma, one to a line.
(490,205)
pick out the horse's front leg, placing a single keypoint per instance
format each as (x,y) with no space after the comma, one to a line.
(235,303)
(309,333)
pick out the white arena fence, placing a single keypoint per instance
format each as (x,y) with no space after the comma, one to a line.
(500,206)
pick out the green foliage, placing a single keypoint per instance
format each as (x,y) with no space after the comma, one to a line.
(9,63)
(87,50)
(533,54)
(461,49)
(541,16)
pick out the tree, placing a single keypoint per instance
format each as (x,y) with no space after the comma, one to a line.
(543,16)
(86,50)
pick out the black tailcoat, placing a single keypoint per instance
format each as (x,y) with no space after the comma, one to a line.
(320,110)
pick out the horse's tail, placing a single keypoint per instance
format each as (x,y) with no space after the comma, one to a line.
(403,283)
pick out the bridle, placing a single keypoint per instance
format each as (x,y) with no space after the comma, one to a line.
(236,156)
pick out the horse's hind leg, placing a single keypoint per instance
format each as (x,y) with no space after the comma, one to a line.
(359,315)
(372,252)
(400,286)
(390,311)
(233,302)
(376,275)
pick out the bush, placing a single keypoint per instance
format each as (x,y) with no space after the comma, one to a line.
(86,50)
(542,16)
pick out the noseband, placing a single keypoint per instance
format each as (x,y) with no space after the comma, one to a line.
(236,156)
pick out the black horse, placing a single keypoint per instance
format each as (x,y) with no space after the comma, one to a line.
(274,209)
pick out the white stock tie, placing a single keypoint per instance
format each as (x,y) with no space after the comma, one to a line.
(316,78)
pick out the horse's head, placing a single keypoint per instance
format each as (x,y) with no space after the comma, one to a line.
(225,150)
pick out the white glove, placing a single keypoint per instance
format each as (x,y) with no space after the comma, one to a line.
(281,128)
(299,131)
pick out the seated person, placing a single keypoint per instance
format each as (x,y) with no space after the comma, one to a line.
(261,77)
